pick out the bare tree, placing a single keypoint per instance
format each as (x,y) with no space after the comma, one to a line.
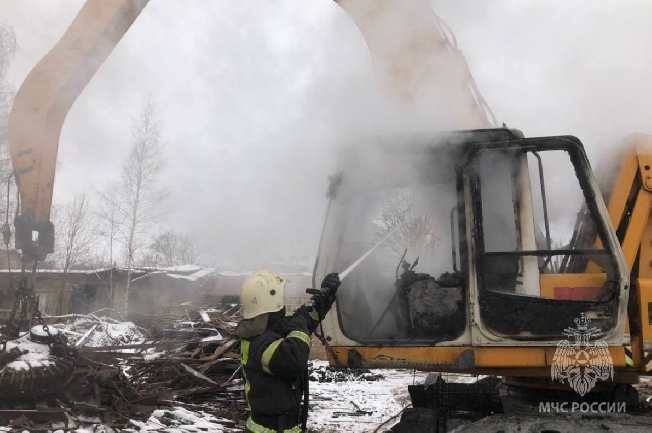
(188,253)
(170,248)
(140,193)
(110,216)
(418,234)
(210,255)
(165,245)
(77,236)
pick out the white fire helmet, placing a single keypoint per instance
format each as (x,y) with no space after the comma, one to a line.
(262,292)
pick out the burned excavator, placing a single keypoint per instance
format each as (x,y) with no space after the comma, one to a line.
(533,260)
(520,264)
(514,240)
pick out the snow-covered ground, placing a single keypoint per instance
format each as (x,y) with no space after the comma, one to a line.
(349,403)
(333,407)
(333,404)
(177,420)
(343,406)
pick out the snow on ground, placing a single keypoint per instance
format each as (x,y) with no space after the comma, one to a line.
(176,420)
(333,404)
(179,420)
(341,406)
(343,403)
(355,405)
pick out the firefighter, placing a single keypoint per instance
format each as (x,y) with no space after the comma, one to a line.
(275,350)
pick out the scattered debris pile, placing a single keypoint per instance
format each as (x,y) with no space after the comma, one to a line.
(127,378)
(324,373)
(28,369)
(98,331)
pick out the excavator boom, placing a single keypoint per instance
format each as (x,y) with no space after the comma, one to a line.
(42,104)
(629,210)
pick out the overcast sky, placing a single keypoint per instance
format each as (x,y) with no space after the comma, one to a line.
(254,96)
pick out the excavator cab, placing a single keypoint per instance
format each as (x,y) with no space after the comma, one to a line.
(485,240)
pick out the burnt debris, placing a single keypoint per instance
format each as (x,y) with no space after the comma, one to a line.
(125,377)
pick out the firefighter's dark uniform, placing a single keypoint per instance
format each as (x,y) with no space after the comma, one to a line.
(274,364)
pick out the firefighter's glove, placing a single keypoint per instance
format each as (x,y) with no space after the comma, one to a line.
(318,306)
(329,286)
(321,303)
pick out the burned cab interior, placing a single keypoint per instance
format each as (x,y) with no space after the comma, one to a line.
(403,195)
(487,205)
(539,231)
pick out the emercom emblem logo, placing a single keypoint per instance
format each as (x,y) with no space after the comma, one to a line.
(581,362)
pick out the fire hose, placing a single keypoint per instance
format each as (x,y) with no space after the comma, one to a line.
(324,292)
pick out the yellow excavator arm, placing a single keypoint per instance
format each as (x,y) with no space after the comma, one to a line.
(630,206)
(411,49)
(42,104)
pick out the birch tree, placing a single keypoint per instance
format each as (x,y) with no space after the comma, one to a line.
(140,192)
(76,234)
(187,251)
(109,223)
(110,218)
(170,248)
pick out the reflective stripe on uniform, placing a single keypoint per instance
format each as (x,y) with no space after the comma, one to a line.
(268,353)
(247,387)
(244,350)
(301,336)
(257,428)
(314,315)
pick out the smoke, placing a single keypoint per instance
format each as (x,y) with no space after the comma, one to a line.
(256,98)
(556,68)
